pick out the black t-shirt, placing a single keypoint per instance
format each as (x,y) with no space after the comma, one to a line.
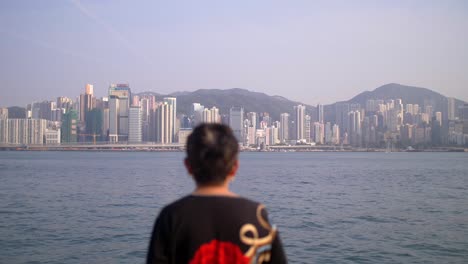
(214,229)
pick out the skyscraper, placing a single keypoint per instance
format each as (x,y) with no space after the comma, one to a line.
(164,123)
(119,103)
(320,113)
(134,125)
(451,108)
(284,127)
(87,102)
(307,128)
(300,118)
(172,101)
(236,118)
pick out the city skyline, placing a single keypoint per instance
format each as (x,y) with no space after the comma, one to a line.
(312,52)
(123,117)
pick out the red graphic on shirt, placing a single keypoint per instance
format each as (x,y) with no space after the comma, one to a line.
(218,252)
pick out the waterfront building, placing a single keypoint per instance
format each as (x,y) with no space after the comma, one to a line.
(183,135)
(172,101)
(328,133)
(69,129)
(164,123)
(52,136)
(284,127)
(119,103)
(335,134)
(307,128)
(236,118)
(26,131)
(3,125)
(300,118)
(134,125)
(318,133)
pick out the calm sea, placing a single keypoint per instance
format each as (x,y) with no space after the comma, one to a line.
(99,207)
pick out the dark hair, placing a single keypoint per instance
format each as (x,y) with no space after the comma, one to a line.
(212,151)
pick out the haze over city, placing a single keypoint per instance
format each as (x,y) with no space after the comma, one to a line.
(313,52)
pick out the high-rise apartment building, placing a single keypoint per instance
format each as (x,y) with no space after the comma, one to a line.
(164,123)
(172,101)
(26,131)
(320,114)
(134,125)
(307,128)
(300,119)
(236,118)
(284,127)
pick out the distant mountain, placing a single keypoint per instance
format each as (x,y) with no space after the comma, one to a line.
(225,99)
(408,94)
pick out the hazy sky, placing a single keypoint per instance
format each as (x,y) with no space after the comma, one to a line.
(310,51)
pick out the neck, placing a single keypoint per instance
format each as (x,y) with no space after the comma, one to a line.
(222,190)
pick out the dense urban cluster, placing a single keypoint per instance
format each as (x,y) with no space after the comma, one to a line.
(122,117)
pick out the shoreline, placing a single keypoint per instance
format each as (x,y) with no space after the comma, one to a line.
(178,148)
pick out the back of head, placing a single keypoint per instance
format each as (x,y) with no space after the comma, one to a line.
(212,151)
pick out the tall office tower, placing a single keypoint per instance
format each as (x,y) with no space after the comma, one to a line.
(451,108)
(134,125)
(438,118)
(236,118)
(307,128)
(3,113)
(173,116)
(284,127)
(3,125)
(355,127)
(341,116)
(252,117)
(335,134)
(328,133)
(69,129)
(164,123)
(119,103)
(148,104)
(300,118)
(86,102)
(320,113)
